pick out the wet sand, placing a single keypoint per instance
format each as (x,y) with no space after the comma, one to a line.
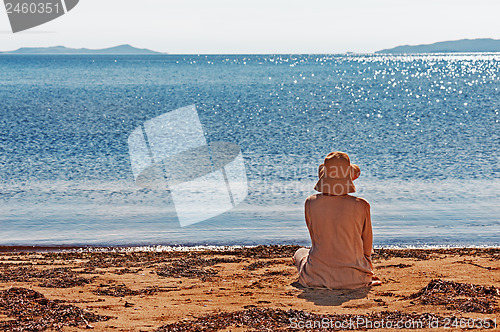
(242,289)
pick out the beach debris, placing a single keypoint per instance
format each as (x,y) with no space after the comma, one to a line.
(256,284)
(128,304)
(122,290)
(89,270)
(130,259)
(424,254)
(248,306)
(269,319)
(125,270)
(287,251)
(260,264)
(400,265)
(123,257)
(179,271)
(203,265)
(32,311)
(461,297)
(264,251)
(217,260)
(470,262)
(54,278)
(281,273)
(190,268)
(418,254)
(390,294)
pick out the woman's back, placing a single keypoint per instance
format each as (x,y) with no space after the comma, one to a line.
(341,236)
(340,229)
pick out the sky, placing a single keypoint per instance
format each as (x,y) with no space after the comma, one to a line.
(260,26)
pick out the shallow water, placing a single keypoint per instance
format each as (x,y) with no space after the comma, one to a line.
(424,130)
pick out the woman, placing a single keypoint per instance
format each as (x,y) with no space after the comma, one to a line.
(340,229)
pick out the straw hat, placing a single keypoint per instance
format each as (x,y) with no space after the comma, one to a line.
(336,174)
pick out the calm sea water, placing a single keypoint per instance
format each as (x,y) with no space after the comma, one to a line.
(423,129)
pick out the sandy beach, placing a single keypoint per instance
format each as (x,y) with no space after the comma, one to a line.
(242,289)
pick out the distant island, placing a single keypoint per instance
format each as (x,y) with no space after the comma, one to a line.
(463,45)
(116,50)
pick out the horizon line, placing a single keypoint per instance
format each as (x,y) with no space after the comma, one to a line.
(239,53)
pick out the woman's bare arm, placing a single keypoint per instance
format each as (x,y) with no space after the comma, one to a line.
(367,234)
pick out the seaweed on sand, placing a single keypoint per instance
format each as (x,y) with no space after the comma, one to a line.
(32,311)
(189,268)
(462,297)
(122,290)
(269,319)
(264,251)
(55,278)
(260,264)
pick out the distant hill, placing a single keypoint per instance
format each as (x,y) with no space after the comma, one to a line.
(121,49)
(463,45)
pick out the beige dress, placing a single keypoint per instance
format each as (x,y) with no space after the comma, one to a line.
(341,236)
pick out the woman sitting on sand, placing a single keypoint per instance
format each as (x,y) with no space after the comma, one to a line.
(340,229)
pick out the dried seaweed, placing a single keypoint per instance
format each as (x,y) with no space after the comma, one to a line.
(122,290)
(263,251)
(33,312)
(268,319)
(130,259)
(215,261)
(419,254)
(189,268)
(424,254)
(282,251)
(462,297)
(470,262)
(56,278)
(280,273)
(125,270)
(277,273)
(193,267)
(401,266)
(260,264)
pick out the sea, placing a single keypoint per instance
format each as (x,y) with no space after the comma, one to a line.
(424,130)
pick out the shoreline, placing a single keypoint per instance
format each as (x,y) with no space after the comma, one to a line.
(163,248)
